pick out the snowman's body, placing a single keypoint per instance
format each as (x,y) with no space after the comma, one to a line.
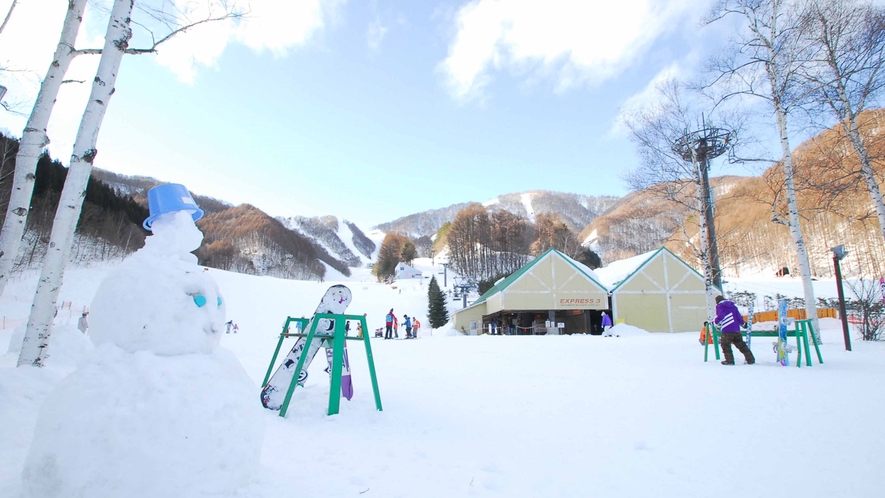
(159,409)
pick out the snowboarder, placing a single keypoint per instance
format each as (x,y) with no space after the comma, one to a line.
(408,324)
(729,319)
(228,326)
(82,323)
(606,324)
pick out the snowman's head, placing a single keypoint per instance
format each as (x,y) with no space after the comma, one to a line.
(174,234)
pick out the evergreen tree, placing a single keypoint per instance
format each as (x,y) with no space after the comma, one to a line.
(408,253)
(436,310)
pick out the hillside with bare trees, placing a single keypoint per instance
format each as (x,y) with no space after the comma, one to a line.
(834,204)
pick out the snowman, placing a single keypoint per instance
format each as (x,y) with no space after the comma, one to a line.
(159,409)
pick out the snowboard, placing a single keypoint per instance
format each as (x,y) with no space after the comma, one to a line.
(782,357)
(346,381)
(336,300)
(750,326)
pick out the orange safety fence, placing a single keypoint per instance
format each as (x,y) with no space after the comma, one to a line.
(798,314)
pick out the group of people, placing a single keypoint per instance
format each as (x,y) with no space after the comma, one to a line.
(231,326)
(391,326)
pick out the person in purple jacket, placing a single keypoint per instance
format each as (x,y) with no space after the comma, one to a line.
(730,321)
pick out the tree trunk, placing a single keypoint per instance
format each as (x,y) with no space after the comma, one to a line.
(795,228)
(866,169)
(71,203)
(33,140)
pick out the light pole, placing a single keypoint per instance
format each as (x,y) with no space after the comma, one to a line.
(698,147)
(839,253)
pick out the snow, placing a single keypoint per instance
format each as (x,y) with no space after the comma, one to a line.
(615,272)
(636,415)
(526,198)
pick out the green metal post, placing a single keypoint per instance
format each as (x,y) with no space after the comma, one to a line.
(275,353)
(371,362)
(294,382)
(706,339)
(799,344)
(716,334)
(283,335)
(337,362)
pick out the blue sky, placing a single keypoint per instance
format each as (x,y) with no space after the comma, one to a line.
(372,110)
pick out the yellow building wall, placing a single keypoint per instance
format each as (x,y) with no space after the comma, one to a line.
(464,317)
(645,297)
(646,311)
(552,284)
(689,311)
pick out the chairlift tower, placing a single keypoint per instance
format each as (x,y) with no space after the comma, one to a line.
(698,148)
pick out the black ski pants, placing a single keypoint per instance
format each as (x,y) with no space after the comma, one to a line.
(729,338)
(389,331)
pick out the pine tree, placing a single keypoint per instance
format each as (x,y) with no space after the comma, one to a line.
(436,310)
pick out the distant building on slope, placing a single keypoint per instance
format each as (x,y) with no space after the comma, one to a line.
(405,271)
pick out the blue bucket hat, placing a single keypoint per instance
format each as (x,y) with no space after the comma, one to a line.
(169,198)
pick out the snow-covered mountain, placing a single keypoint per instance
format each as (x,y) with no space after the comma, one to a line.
(575,210)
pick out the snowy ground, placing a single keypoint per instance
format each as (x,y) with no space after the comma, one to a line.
(631,416)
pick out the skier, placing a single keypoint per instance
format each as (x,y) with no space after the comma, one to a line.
(347,327)
(236,328)
(359,329)
(729,319)
(415,326)
(606,324)
(229,325)
(408,324)
(82,323)
(389,321)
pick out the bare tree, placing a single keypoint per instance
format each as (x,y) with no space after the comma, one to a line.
(766,62)
(665,172)
(846,76)
(119,33)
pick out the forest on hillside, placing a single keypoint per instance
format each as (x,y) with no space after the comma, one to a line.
(109,226)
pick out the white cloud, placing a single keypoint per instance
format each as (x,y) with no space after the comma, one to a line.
(268,25)
(376,33)
(28,42)
(648,95)
(577,42)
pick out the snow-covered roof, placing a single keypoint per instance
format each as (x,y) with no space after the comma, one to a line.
(616,271)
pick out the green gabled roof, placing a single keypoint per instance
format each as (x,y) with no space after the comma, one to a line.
(503,284)
(647,261)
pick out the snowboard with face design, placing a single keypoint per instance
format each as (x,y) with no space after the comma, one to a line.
(335,301)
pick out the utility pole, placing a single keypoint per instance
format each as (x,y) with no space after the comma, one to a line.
(839,253)
(698,147)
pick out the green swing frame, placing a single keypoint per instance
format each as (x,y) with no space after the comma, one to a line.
(337,339)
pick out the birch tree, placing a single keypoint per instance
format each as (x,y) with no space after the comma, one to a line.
(117,38)
(8,15)
(71,202)
(766,62)
(655,129)
(34,137)
(847,76)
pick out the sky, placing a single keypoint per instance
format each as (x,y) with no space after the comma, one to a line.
(315,107)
